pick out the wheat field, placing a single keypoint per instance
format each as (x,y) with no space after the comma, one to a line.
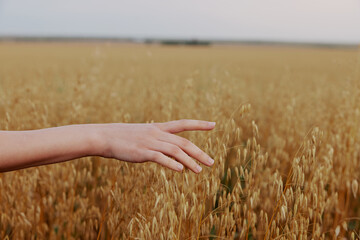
(286,144)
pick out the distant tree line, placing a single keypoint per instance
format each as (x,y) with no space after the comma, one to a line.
(192,42)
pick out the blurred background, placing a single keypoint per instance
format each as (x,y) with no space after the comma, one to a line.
(281,78)
(305,21)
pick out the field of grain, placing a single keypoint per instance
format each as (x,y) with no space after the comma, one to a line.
(286,144)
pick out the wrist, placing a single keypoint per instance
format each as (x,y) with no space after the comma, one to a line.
(96,140)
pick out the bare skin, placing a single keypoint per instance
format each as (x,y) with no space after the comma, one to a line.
(155,142)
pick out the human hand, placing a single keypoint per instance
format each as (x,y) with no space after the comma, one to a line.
(154,142)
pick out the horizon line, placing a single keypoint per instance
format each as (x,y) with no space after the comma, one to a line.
(170,40)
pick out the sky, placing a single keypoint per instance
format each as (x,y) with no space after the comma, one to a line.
(324,21)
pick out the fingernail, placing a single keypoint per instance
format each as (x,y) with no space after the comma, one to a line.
(211,161)
(198,168)
(180,167)
(212,124)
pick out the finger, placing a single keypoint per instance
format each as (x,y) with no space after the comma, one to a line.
(185,125)
(174,151)
(165,161)
(188,147)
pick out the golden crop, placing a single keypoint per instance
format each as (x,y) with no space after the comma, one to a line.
(286,145)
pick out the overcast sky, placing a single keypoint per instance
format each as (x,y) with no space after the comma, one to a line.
(284,20)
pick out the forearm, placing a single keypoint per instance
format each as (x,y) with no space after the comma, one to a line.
(21,149)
